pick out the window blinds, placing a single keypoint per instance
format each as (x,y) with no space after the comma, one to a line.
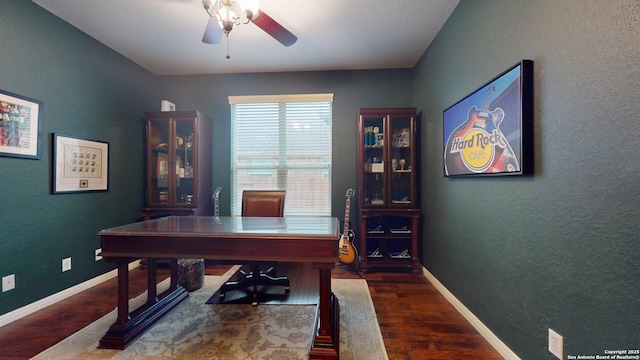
(283,142)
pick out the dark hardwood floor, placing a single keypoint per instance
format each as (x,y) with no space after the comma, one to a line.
(415,320)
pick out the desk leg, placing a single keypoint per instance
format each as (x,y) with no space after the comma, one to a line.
(130,325)
(326,344)
(123,293)
(174,273)
(152,280)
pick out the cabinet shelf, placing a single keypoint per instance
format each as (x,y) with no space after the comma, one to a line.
(178,150)
(389,237)
(389,263)
(390,234)
(379,255)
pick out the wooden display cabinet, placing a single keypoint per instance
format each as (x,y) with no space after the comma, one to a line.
(387,184)
(178,164)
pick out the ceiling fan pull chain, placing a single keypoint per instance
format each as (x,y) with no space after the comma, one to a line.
(228,57)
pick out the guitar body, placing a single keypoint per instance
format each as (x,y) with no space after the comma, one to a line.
(347,252)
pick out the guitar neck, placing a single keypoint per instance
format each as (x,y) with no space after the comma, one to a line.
(346,216)
(487,101)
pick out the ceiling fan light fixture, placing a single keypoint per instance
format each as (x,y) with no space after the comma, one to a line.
(250,8)
(207,5)
(227,19)
(226,14)
(231,12)
(226,26)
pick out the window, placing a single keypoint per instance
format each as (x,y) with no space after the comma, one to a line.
(283,143)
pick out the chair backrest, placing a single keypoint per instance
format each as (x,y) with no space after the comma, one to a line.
(263,203)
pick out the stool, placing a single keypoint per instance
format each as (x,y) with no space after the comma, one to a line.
(191,273)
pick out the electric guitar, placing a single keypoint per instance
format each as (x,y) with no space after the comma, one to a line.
(347,252)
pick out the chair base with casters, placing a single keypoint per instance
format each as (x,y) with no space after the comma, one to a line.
(259,203)
(249,280)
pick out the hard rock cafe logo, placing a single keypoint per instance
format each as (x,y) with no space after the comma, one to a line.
(477,148)
(478,145)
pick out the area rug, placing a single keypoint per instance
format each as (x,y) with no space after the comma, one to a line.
(195,330)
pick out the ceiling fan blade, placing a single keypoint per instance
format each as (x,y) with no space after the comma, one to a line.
(271,27)
(213,31)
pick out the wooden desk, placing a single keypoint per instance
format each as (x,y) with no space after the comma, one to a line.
(303,239)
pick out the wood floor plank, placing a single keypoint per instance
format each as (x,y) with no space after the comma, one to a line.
(415,320)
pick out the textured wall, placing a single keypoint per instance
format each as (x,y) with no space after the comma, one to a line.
(88,91)
(560,248)
(352,90)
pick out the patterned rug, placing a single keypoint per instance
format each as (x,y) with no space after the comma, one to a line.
(195,330)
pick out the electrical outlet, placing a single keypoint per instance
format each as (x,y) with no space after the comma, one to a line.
(8,282)
(98,254)
(66,264)
(556,344)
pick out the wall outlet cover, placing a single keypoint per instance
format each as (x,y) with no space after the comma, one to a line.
(556,343)
(8,282)
(66,264)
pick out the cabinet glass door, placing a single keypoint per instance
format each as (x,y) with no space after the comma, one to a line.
(158,161)
(400,162)
(185,161)
(178,164)
(375,158)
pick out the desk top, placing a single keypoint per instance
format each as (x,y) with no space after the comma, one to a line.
(311,239)
(224,226)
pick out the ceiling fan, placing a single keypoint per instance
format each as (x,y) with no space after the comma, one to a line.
(226,14)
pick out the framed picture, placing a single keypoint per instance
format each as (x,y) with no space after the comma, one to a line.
(79,165)
(20,126)
(490,132)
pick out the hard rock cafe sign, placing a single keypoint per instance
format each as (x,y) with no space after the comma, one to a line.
(475,142)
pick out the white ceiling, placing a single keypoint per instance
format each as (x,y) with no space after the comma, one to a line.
(165,36)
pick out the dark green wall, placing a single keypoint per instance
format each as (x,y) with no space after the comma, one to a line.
(352,90)
(88,91)
(559,249)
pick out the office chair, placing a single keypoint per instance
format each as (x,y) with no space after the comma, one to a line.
(259,203)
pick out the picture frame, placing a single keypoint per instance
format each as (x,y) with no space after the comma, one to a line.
(79,165)
(490,131)
(20,126)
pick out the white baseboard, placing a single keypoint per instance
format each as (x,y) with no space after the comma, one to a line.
(497,344)
(52,299)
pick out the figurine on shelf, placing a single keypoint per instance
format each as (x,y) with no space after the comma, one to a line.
(403,139)
(378,137)
(190,142)
(188,170)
